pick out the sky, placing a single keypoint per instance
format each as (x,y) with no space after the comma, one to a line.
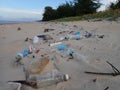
(31,9)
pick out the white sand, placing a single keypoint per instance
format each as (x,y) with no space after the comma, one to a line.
(95,51)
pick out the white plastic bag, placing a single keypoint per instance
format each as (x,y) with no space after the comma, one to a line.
(35,39)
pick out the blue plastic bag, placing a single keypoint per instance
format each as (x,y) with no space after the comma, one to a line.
(62,47)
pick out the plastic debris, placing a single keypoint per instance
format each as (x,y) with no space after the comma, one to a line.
(35,39)
(24,53)
(47,79)
(31,48)
(76,37)
(45,37)
(88,34)
(67,52)
(47,30)
(80,57)
(56,43)
(19,84)
(62,47)
(76,33)
(37,51)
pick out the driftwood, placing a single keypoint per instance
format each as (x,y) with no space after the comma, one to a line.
(115,73)
(32,84)
(47,30)
(106,88)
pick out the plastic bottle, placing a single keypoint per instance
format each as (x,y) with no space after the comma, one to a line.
(61,47)
(24,53)
(48,79)
(67,52)
(56,43)
(76,37)
(80,57)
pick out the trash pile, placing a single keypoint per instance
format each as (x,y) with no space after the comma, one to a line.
(41,52)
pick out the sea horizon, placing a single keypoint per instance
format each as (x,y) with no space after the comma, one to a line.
(17,21)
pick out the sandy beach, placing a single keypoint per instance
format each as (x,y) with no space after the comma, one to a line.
(91,53)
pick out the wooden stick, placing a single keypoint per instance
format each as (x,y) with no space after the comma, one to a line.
(98,73)
(114,68)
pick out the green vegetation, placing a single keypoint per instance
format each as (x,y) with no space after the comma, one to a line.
(107,15)
(115,5)
(82,10)
(75,8)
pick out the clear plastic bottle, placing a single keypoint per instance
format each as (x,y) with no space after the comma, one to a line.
(67,52)
(50,78)
(80,57)
(22,54)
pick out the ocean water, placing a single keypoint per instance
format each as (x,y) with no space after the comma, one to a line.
(7,21)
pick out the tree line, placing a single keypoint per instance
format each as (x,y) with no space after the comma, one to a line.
(75,8)
(115,5)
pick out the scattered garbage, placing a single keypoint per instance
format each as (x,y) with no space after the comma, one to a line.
(24,82)
(31,48)
(67,52)
(62,32)
(63,38)
(47,79)
(37,51)
(75,35)
(80,57)
(28,39)
(16,83)
(42,80)
(88,34)
(33,70)
(44,37)
(56,43)
(22,54)
(47,30)
(35,39)
(62,47)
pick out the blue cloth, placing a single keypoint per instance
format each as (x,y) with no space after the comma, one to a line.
(62,47)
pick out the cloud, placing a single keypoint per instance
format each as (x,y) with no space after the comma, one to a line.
(9,13)
(112,0)
(105,4)
(20,11)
